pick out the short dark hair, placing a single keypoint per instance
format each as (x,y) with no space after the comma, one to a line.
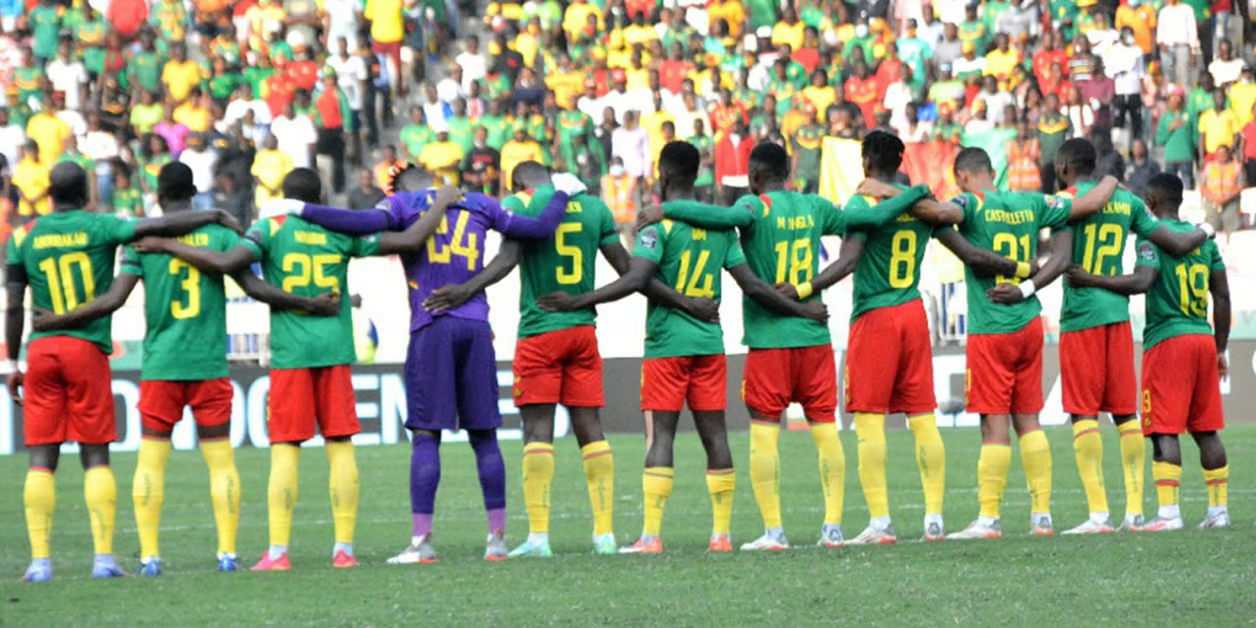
(1078,153)
(175,182)
(530,174)
(1168,185)
(412,179)
(303,184)
(679,161)
(769,161)
(884,150)
(974,160)
(68,185)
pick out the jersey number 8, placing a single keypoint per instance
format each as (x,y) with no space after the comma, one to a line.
(903,259)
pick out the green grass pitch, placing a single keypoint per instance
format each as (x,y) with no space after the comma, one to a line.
(1189,578)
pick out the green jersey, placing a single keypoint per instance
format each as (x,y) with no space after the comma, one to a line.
(128,201)
(1177,304)
(564,263)
(888,273)
(44,22)
(146,69)
(185,310)
(414,137)
(780,234)
(306,259)
(1008,224)
(688,259)
(499,130)
(68,260)
(1099,248)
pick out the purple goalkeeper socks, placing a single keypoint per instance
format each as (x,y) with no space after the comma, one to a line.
(492,470)
(424,478)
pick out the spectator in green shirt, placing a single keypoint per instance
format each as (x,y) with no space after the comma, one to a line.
(1176,133)
(44,22)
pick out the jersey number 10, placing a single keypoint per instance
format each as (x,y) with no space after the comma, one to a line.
(59,271)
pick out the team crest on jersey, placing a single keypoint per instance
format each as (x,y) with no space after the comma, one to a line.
(1053,201)
(960,201)
(649,238)
(1147,252)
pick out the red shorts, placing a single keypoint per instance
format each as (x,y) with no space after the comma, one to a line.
(1005,372)
(889,362)
(162,402)
(1097,369)
(561,366)
(300,397)
(1182,387)
(68,394)
(774,378)
(667,383)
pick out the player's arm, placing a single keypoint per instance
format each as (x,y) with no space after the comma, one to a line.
(14,321)
(223,263)
(1093,201)
(1061,257)
(99,307)
(1177,244)
(984,262)
(325,304)
(414,237)
(520,227)
(774,301)
(701,215)
(700,308)
(355,222)
(451,296)
(1138,282)
(635,279)
(1219,287)
(845,264)
(894,202)
(181,223)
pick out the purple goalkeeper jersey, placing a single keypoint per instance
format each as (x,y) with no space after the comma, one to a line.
(455,253)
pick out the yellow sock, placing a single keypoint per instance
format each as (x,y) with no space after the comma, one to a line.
(1036,457)
(101,493)
(224,491)
(1218,483)
(1088,448)
(765,471)
(40,496)
(1134,461)
(343,465)
(599,472)
(148,492)
(992,466)
(870,429)
(538,475)
(281,493)
(1168,477)
(656,483)
(720,483)
(931,459)
(832,470)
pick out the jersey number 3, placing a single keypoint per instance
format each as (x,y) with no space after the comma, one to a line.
(191,285)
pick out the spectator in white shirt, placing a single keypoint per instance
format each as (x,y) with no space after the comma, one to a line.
(201,160)
(631,143)
(996,101)
(449,88)
(1225,69)
(296,136)
(1124,63)
(65,74)
(244,102)
(474,67)
(589,104)
(1178,40)
(341,21)
(12,137)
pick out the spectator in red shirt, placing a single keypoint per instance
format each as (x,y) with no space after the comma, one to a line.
(861,90)
(1049,55)
(808,56)
(128,16)
(303,71)
(673,71)
(732,163)
(890,70)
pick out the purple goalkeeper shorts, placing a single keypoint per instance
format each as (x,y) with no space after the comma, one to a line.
(451,377)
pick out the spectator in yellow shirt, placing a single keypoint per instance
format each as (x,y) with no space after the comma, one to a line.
(1217,127)
(1139,17)
(387,31)
(1243,96)
(50,134)
(194,113)
(442,158)
(180,75)
(732,12)
(1001,60)
(30,177)
(577,18)
(788,31)
(270,166)
(517,150)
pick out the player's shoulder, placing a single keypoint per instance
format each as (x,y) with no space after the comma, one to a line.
(758,205)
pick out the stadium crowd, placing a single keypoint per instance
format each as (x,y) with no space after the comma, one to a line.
(245,92)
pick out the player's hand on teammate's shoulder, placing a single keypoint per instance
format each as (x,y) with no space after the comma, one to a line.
(817,311)
(875,188)
(448,195)
(1005,294)
(447,298)
(568,183)
(325,304)
(649,216)
(150,244)
(558,302)
(229,221)
(280,207)
(787,290)
(703,309)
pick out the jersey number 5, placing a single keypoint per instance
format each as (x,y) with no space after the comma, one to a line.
(59,271)
(191,285)
(569,252)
